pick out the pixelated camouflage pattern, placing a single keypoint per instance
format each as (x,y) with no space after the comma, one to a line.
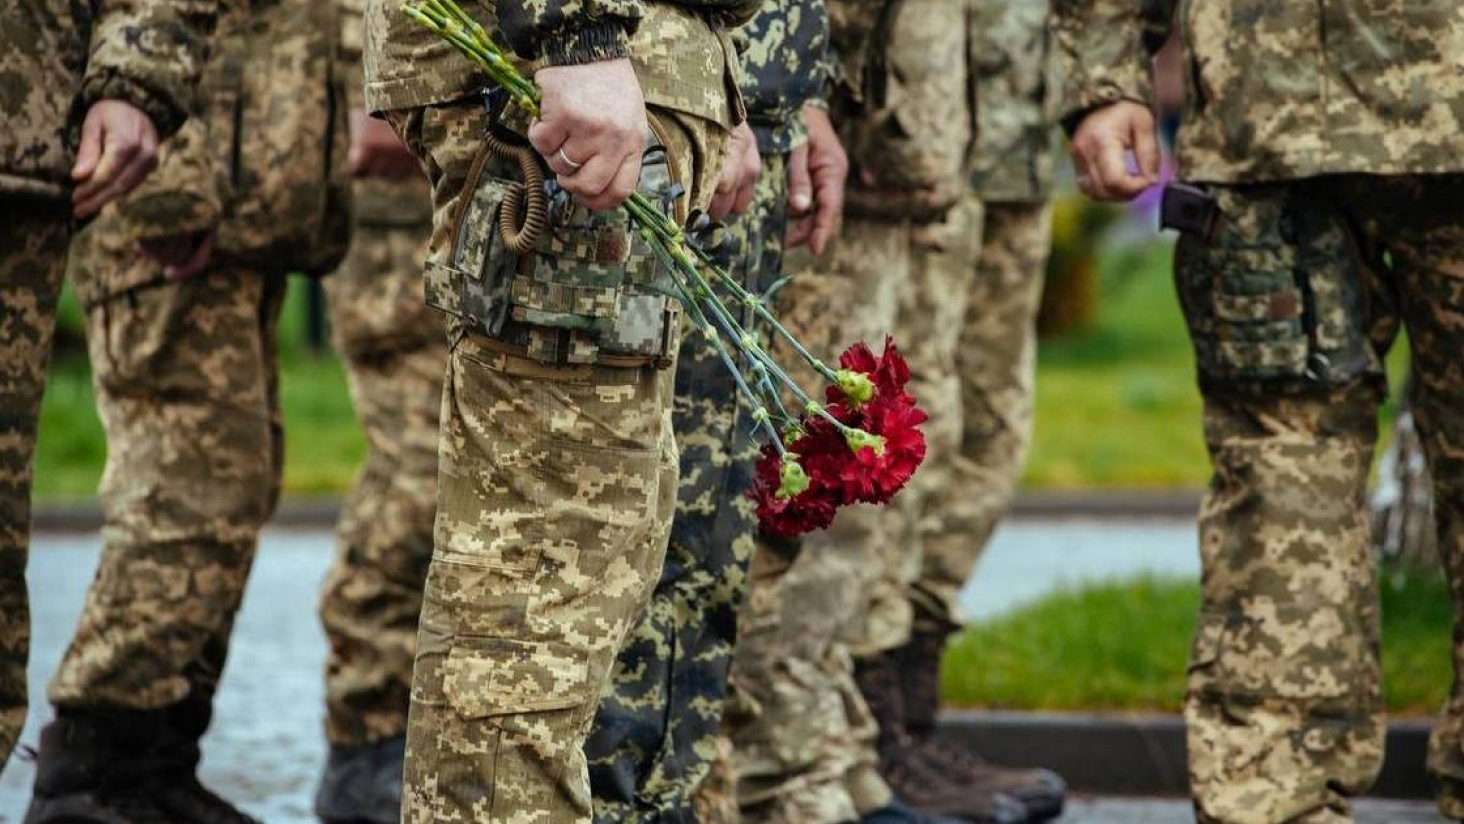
(62,56)
(784,63)
(186,381)
(1284,710)
(32,258)
(967,322)
(1285,90)
(556,489)
(1017,89)
(682,56)
(395,354)
(657,728)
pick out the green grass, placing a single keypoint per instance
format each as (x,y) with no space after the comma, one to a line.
(323,445)
(1123,646)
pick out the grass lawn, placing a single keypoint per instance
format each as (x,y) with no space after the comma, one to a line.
(1123,646)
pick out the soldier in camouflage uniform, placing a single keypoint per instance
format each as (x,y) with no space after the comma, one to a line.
(656,731)
(557,470)
(130,67)
(1331,137)
(394,350)
(186,384)
(804,738)
(968,321)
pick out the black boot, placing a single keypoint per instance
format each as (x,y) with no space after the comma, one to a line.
(362,785)
(84,775)
(1041,792)
(913,781)
(173,768)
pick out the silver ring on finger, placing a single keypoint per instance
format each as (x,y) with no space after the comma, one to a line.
(570,163)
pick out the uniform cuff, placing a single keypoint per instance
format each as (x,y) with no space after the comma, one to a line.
(604,38)
(165,113)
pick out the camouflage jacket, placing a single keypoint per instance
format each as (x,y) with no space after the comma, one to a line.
(263,162)
(1285,89)
(783,52)
(682,52)
(61,56)
(1017,89)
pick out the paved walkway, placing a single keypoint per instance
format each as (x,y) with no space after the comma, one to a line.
(266,748)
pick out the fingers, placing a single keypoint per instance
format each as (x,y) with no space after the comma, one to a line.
(621,183)
(800,186)
(829,205)
(547,137)
(726,194)
(126,160)
(1100,148)
(798,232)
(90,150)
(1146,150)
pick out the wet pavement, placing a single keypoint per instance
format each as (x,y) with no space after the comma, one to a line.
(266,748)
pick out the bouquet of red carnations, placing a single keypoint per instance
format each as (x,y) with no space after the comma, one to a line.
(859,444)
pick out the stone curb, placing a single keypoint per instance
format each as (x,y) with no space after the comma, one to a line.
(321,512)
(1141,754)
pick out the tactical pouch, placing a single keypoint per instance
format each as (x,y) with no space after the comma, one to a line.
(910,137)
(590,292)
(1278,294)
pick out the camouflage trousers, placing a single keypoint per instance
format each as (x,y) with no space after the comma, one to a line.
(967,322)
(1291,310)
(186,381)
(556,489)
(32,258)
(395,353)
(656,731)
(802,735)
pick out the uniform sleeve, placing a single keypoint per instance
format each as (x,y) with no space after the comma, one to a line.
(1106,47)
(568,32)
(149,53)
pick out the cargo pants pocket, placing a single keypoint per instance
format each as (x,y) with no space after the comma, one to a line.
(1279,295)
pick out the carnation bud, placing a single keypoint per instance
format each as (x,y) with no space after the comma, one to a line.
(858,439)
(856,386)
(791,478)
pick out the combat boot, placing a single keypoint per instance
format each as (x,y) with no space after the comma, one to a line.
(85,775)
(362,785)
(1041,792)
(911,779)
(172,768)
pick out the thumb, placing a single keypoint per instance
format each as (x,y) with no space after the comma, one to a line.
(800,185)
(90,150)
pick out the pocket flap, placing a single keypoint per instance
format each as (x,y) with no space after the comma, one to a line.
(484,677)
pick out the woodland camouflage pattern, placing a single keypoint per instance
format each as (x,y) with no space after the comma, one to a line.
(556,483)
(32,258)
(1017,89)
(784,64)
(657,729)
(1304,89)
(62,56)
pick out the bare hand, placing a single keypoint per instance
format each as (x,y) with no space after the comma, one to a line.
(1099,150)
(182,256)
(816,173)
(119,147)
(740,169)
(592,129)
(376,151)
